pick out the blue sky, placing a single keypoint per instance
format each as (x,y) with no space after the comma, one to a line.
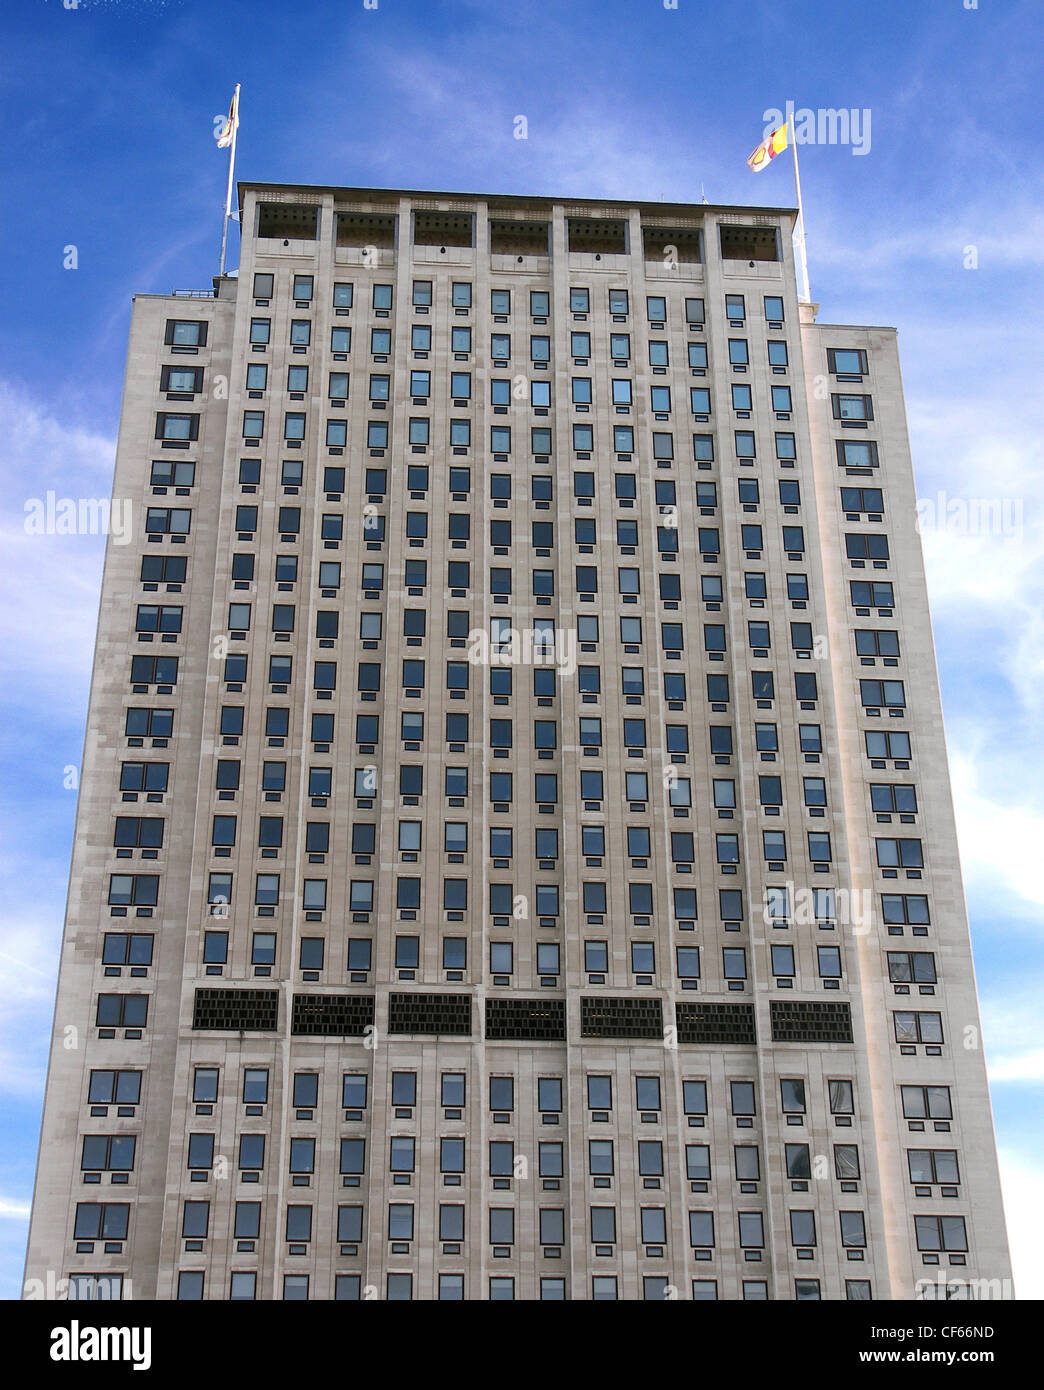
(109,109)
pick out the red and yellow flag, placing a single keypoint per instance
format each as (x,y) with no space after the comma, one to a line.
(774,143)
(231,122)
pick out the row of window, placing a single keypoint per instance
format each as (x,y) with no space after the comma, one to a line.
(123,1087)
(131,1011)
(503,391)
(110,1221)
(898,910)
(178,521)
(117,1153)
(462,343)
(504,486)
(303,289)
(176,427)
(881,745)
(451,1287)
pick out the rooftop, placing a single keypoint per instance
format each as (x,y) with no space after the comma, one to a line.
(514,200)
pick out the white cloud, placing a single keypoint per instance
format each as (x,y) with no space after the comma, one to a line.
(1011,1029)
(1028,1067)
(578,143)
(18,1210)
(50,582)
(1022,1182)
(29,950)
(47,626)
(1005,238)
(999,843)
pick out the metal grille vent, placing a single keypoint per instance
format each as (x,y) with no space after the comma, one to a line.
(532,1020)
(430,1013)
(620,1018)
(715,1023)
(236,1010)
(332,1015)
(810,1022)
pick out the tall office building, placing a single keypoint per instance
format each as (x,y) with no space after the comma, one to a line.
(515,854)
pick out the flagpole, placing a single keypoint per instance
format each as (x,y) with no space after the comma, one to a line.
(807,296)
(231,169)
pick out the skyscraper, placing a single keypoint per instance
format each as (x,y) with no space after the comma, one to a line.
(515,855)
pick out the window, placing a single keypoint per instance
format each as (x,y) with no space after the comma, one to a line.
(119,1087)
(871,594)
(912,1027)
(846,1161)
(862,499)
(876,642)
(828,959)
(892,744)
(185,333)
(501,1226)
(183,379)
(108,1152)
(847,361)
(400,1221)
(852,407)
(751,1226)
(884,694)
(911,967)
(133,890)
(102,1287)
(748,1164)
(841,1097)
(109,1220)
(941,1233)
(927,1102)
(596,956)
(899,853)
(181,473)
(856,453)
(603,1225)
(933,1165)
